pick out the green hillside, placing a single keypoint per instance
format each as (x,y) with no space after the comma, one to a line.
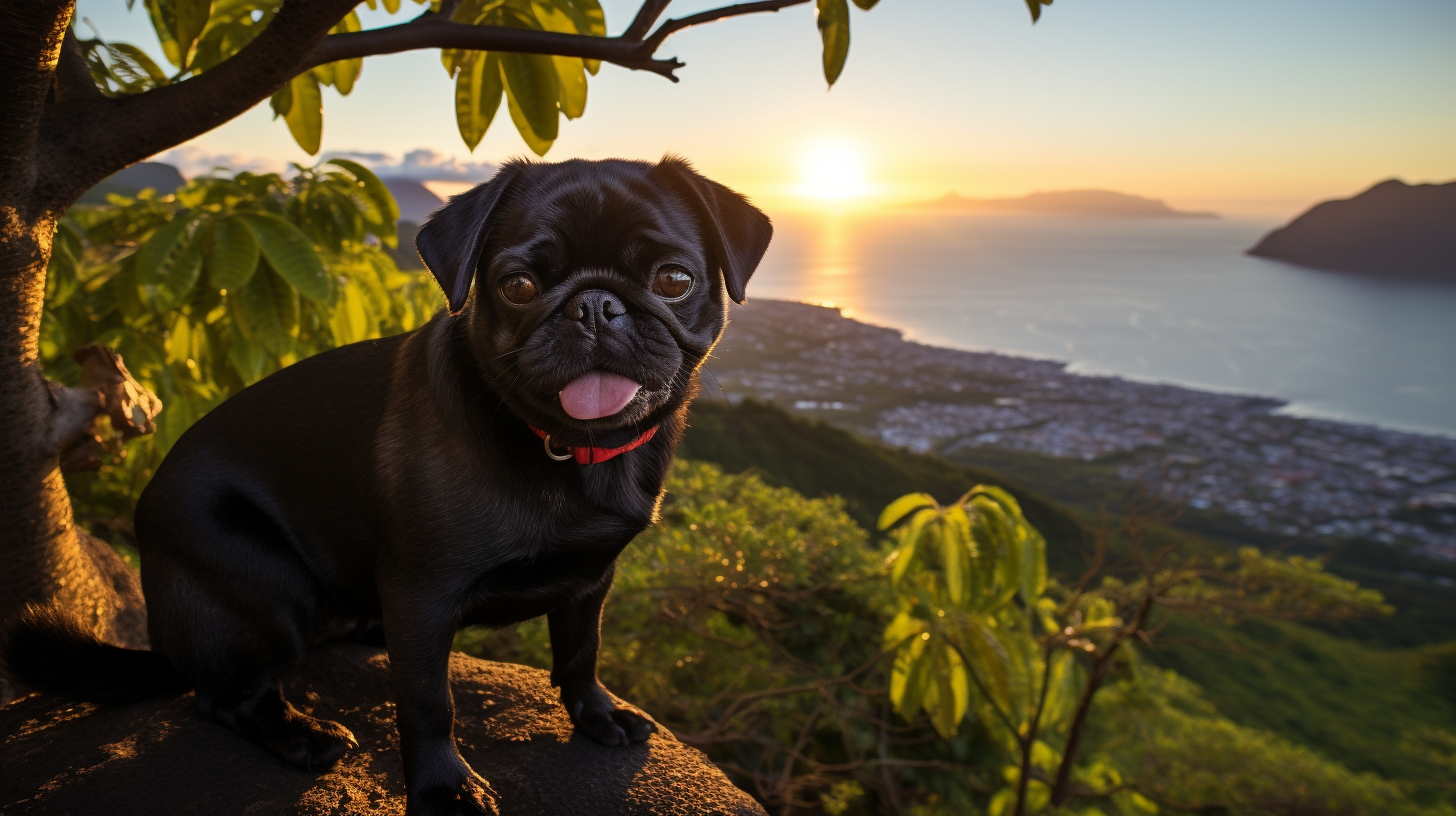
(1371,709)
(817,459)
(1373,704)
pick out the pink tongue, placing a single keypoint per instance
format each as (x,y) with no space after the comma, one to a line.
(597,394)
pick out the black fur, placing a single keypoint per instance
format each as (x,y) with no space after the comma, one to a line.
(49,650)
(397,481)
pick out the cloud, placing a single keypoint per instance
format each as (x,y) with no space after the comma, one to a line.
(193,161)
(420,165)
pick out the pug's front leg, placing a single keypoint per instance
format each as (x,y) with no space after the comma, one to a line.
(438,782)
(575,641)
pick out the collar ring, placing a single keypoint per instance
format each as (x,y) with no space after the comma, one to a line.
(559,457)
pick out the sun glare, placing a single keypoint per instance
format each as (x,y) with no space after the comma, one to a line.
(833,172)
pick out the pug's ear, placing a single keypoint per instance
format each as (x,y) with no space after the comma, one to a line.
(450,242)
(738,232)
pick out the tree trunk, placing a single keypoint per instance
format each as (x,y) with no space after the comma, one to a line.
(45,557)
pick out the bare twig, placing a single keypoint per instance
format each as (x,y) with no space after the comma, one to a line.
(671,27)
(646,16)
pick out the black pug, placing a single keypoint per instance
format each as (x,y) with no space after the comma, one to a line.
(484,469)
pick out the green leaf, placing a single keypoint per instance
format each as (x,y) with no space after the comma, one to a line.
(1063,686)
(532,91)
(305,111)
(960,683)
(290,253)
(996,537)
(234,255)
(902,507)
(266,312)
(833,20)
(992,662)
(168,264)
(909,550)
(586,17)
(349,321)
(952,695)
(133,68)
(1035,7)
(1033,562)
(178,24)
(866,5)
(345,72)
(910,677)
(250,360)
(572,76)
(62,276)
(478,90)
(383,211)
(179,340)
(903,626)
(955,557)
(229,29)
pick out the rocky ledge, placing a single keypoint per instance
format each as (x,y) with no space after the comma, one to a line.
(160,757)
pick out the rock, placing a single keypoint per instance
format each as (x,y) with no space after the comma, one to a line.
(1393,229)
(160,757)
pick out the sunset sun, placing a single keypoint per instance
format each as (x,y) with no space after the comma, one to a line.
(833,172)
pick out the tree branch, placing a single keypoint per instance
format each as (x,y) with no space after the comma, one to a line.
(106,387)
(89,139)
(86,140)
(73,78)
(671,27)
(30,45)
(646,16)
(434,31)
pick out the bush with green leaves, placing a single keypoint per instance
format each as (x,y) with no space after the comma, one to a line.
(982,635)
(214,286)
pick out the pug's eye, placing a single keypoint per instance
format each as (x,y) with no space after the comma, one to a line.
(518,289)
(672,283)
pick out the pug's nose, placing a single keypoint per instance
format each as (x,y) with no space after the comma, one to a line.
(595,308)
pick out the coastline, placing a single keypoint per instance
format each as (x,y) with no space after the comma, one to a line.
(1240,456)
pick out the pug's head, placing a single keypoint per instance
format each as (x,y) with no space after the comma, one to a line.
(599,286)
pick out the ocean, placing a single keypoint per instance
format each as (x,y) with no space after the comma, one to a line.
(1156,300)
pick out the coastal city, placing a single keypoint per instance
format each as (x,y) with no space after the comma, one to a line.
(1213,453)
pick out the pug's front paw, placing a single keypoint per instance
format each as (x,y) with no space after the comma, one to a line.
(471,796)
(596,715)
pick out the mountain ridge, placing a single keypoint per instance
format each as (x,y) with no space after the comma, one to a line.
(1084,203)
(1391,230)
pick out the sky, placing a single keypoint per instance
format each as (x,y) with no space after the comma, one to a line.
(1246,107)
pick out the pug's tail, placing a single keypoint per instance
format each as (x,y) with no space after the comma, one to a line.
(49,650)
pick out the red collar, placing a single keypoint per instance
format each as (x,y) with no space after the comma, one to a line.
(592,456)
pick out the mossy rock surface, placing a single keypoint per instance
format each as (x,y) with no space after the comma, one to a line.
(162,757)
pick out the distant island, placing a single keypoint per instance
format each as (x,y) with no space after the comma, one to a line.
(1090,203)
(415,200)
(1393,229)
(164,178)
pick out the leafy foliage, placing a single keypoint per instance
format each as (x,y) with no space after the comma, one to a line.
(211,288)
(1158,729)
(199,35)
(981,629)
